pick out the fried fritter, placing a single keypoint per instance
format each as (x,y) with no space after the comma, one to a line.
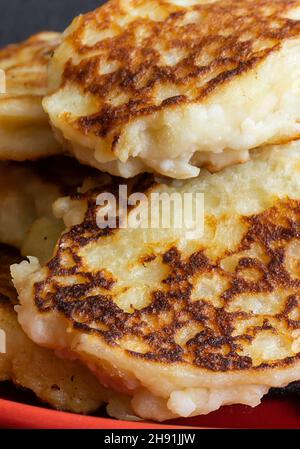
(27,193)
(169,86)
(24,129)
(182,325)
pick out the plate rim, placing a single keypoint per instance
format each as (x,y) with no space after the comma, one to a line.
(23,416)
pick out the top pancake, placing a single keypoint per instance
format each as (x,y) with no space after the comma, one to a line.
(183,324)
(169,86)
(24,129)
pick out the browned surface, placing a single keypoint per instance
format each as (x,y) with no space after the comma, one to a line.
(217,346)
(224,40)
(25,64)
(65,385)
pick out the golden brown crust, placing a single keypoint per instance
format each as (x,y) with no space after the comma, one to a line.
(90,306)
(65,385)
(212,44)
(25,130)
(25,64)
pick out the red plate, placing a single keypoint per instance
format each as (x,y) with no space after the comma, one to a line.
(272,413)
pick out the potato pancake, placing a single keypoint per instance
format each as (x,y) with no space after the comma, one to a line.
(170,86)
(24,127)
(181,325)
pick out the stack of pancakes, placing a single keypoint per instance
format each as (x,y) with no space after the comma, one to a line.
(172,97)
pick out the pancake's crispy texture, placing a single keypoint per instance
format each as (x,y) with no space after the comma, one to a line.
(183,326)
(24,129)
(65,385)
(169,86)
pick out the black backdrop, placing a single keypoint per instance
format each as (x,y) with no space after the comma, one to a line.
(21,18)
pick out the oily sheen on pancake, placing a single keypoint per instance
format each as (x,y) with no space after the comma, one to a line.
(169,86)
(181,325)
(24,129)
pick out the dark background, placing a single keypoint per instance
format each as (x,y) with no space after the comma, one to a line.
(21,18)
